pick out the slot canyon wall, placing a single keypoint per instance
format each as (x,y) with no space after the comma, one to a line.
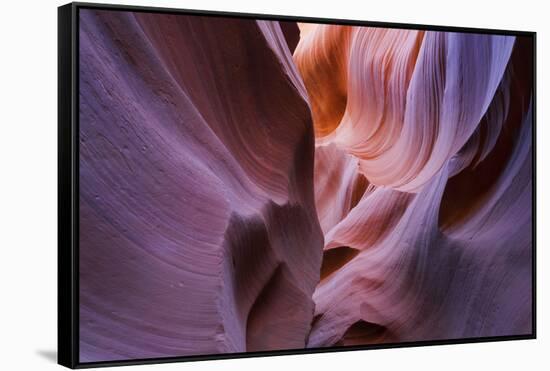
(260,185)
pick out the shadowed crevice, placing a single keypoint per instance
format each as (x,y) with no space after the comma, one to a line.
(335,259)
(363,332)
(273,322)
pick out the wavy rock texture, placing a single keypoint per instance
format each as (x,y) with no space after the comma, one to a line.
(423,179)
(198,230)
(251,185)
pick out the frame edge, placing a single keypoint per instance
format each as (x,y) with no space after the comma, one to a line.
(67,335)
(300,18)
(68,340)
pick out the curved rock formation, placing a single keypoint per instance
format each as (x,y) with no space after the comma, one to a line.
(255,185)
(439,126)
(198,230)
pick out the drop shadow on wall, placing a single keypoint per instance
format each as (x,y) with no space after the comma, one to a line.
(50,355)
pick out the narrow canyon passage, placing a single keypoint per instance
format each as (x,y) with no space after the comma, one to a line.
(261,185)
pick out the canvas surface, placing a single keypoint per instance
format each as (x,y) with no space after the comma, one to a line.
(261,185)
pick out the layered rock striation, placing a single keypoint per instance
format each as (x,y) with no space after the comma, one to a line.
(254,185)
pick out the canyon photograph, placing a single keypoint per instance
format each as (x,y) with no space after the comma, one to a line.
(250,185)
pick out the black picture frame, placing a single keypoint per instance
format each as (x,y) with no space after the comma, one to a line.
(68,184)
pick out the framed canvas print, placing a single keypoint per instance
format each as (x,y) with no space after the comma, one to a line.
(235,185)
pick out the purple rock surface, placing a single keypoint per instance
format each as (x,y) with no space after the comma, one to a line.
(255,185)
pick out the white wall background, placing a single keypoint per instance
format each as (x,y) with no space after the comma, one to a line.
(28,181)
